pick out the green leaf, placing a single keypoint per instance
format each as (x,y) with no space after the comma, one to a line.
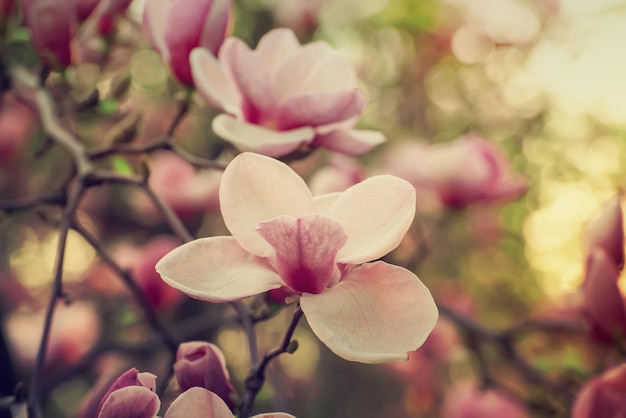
(108,106)
(120,165)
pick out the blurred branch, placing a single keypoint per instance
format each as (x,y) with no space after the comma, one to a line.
(256,377)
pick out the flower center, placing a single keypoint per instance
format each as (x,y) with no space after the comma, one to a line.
(305,248)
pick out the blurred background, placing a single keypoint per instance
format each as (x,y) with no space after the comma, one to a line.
(542,79)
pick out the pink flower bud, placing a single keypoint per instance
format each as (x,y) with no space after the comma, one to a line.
(606,231)
(6,7)
(52,25)
(131,396)
(201,364)
(469,402)
(84,8)
(468,170)
(602,396)
(175,27)
(18,123)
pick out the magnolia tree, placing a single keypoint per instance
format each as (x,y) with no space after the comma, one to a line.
(182,211)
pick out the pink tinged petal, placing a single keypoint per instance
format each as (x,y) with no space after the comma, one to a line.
(602,298)
(213,83)
(154,22)
(250,137)
(305,249)
(377,313)
(198,403)
(350,141)
(130,402)
(274,415)
(606,231)
(314,68)
(376,214)
(216,269)
(185,21)
(252,78)
(130,378)
(275,47)
(320,109)
(256,188)
(216,25)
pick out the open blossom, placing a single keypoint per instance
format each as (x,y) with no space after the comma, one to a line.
(468,170)
(202,364)
(282,95)
(603,303)
(602,396)
(132,396)
(283,237)
(175,27)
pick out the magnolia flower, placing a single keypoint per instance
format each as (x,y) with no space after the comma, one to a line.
(606,231)
(340,173)
(202,364)
(283,237)
(175,27)
(132,396)
(468,170)
(283,95)
(602,396)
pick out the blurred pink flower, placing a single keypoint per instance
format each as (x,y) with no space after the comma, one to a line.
(603,303)
(282,96)
(299,15)
(75,330)
(18,123)
(52,25)
(186,190)
(602,396)
(175,27)
(6,7)
(606,232)
(282,236)
(103,14)
(468,170)
(132,396)
(337,175)
(202,364)
(466,401)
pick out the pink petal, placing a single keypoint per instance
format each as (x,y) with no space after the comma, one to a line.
(314,68)
(377,313)
(274,415)
(213,83)
(350,141)
(376,214)
(198,403)
(320,109)
(154,22)
(305,249)
(252,78)
(216,25)
(602,298)
(249,137)
(255,189)
(130,402)
(275,47)
(216,269)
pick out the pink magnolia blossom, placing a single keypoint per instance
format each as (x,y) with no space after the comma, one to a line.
(202,364)
(18,123)
(282,96)
(468,170)
(316,247)
(132,396)
(52,24)
(337,175)
(175,27)
(606,231)
(603,396)
(466,401)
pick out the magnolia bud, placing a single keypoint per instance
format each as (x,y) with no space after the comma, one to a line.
(52,24)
